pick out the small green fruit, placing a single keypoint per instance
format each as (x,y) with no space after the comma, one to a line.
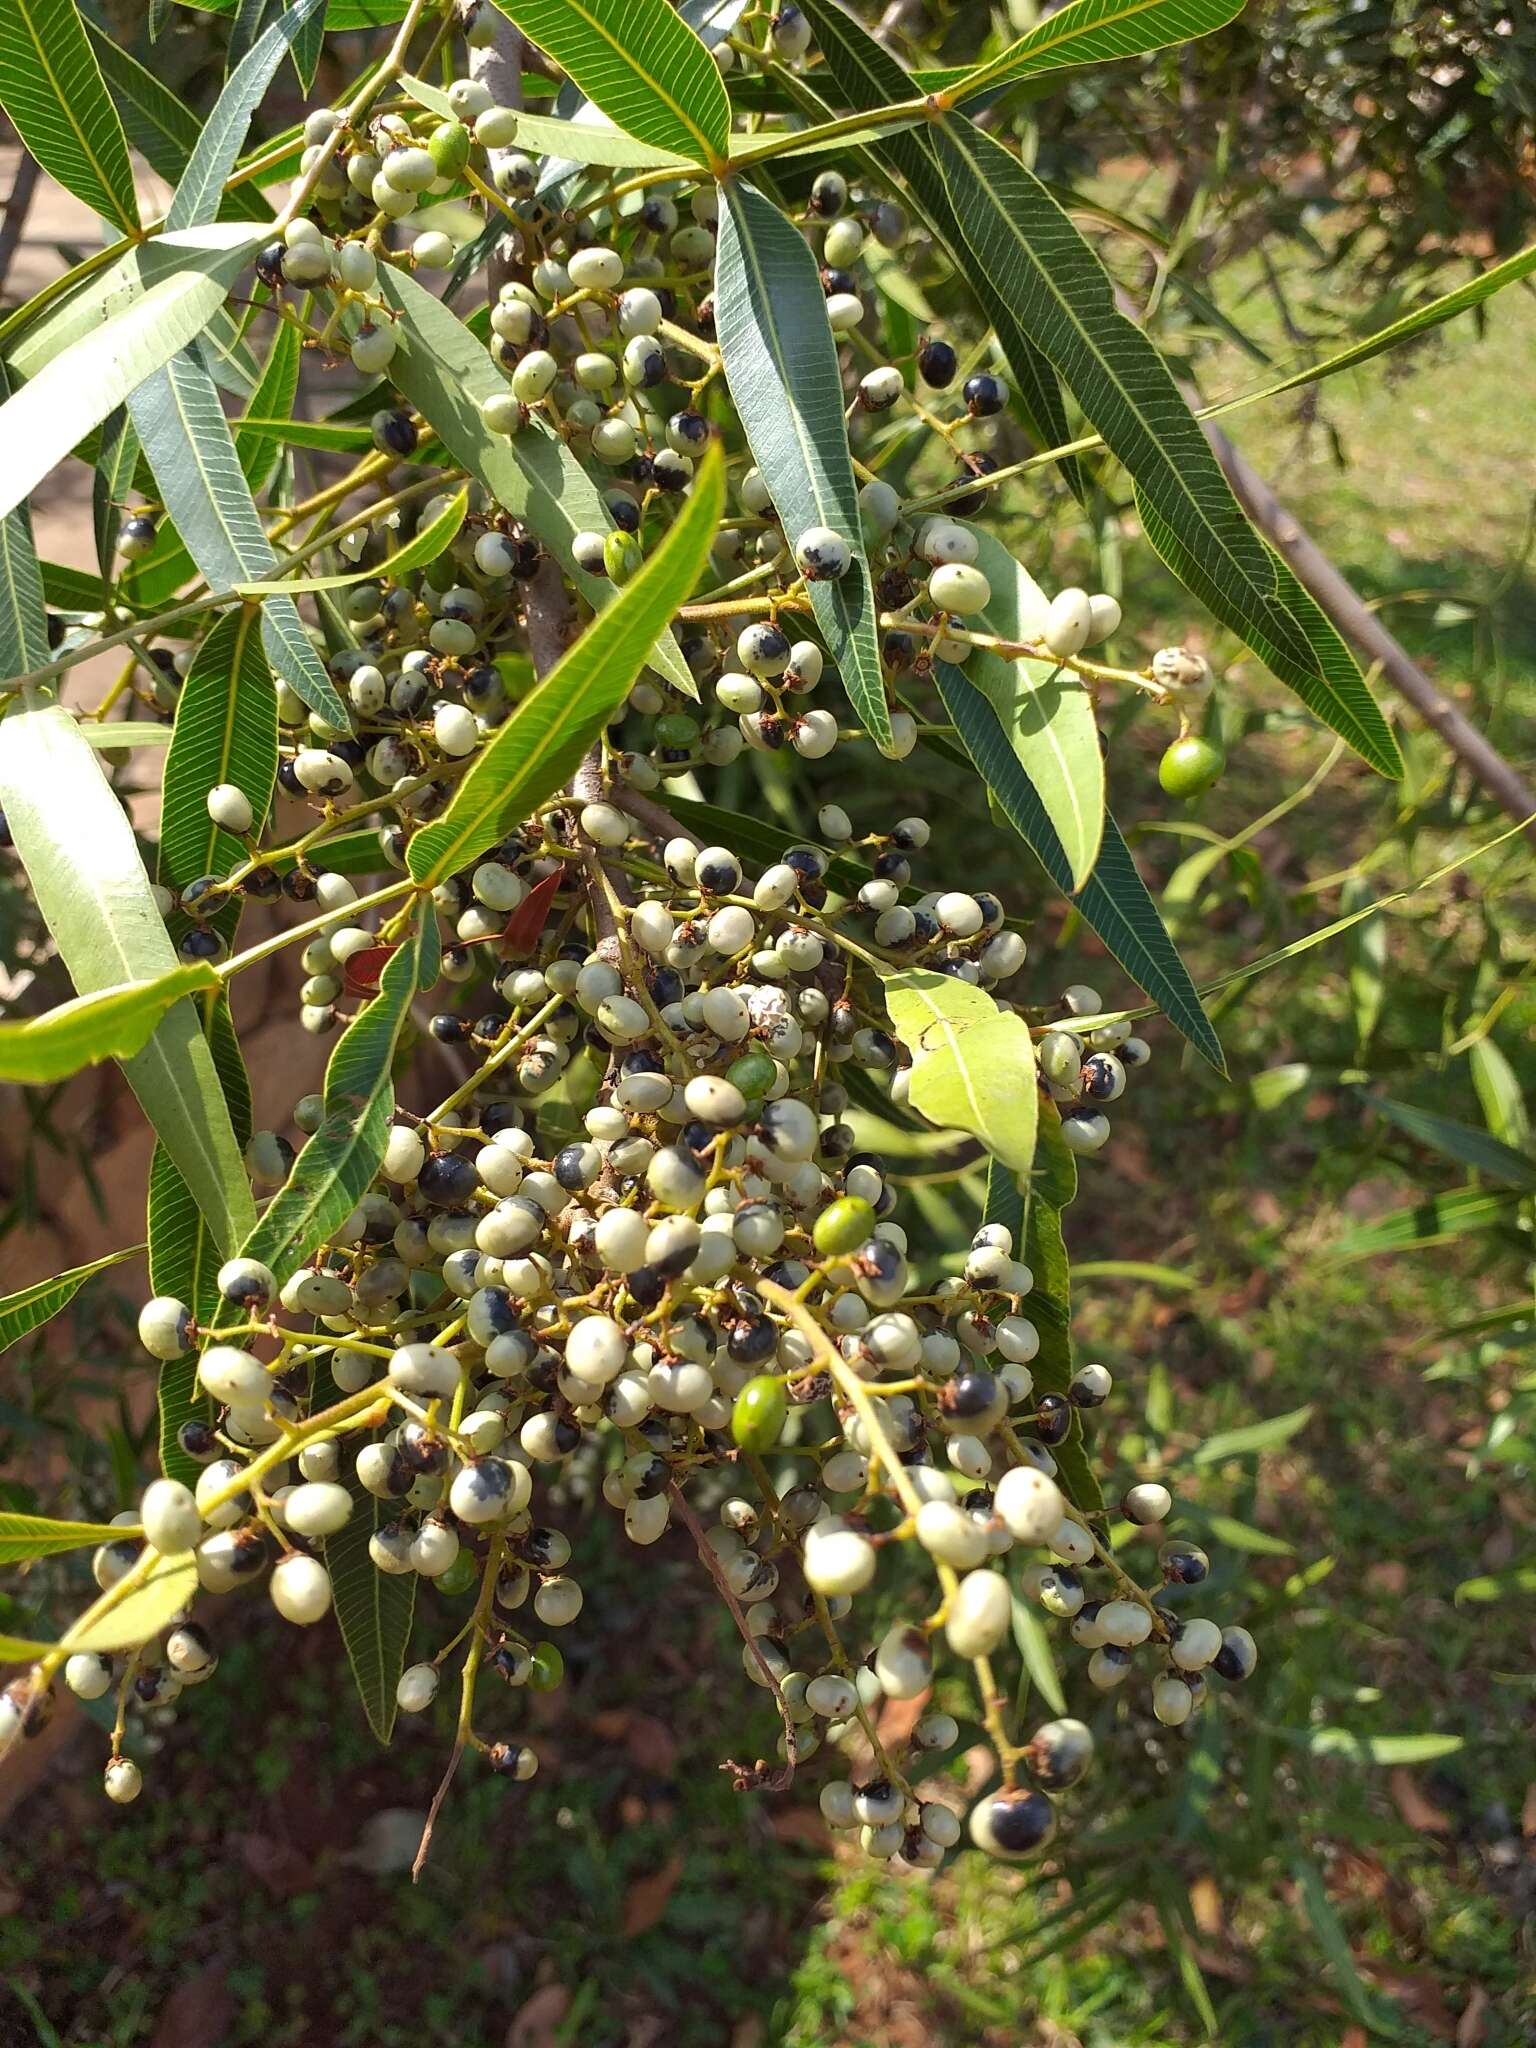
(759,1413)
(1190,767)
(548,1668)
(461,1576)
(843,1226)
(448,148)
(621,556)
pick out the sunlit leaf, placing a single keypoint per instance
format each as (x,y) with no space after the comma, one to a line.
(30,1307)
(973,1065)
(52,88)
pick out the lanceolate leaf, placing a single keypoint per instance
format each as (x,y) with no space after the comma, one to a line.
(1046,712)
(183,1258)
(781,365)
(332,1172)
(545,737)
(447,375)
(1114,901)
(373,1608)
(40,1535)
(1462,1142)
(30,1307)
(189,447)
(75,390)
(869,76)
(1430,1222)
(52,88)
(422,548)
(161,127)
(225,731)
(116,461)
(1086,32)
(973,1065)
(261,455)
(594,141)
(89,882)
(1024,241)
(196,198)
(1049,1307)
(23,619)
(109,1024)
(641,64)
(170,1586)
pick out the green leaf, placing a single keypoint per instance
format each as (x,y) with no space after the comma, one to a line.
(1328,683)
(869,76)
(23,616)
(1021,239)
(40,1536)
(1048,1306)
(425,546)
(373,1608)
(1253,1436)
(582,142)
(170,1586)
(89,882)
(1498,1091)
(1428,1222)
(1086,32)
(539,746)
(30,1307)
(1518,1580)
(1043,709)
(1367,949)
(75,389)
(261,455)
(53,90)
(117,461)
(1114,901)
(335,437)
(111,1023)
(1370,1749)
(225,731)
(447,375)
(973,1065)
(1135,1269)
(196,198)
(123,734)
(1333,1941)
(1005,1199)
(780,362)
(1461,1142)
(1035,1648)
(188,445)
(333,1171)
(644,67)
(161,127)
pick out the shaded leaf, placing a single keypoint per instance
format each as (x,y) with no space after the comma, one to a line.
(161,127)
(1462,1142)
(23,617)
(534,752)
(1048,1306)
(780,362)
(52,88)
(1034,1647)
(1252,1436)
(197,195)
(423,547)
(639,62)
(170,1586)
(30,1307)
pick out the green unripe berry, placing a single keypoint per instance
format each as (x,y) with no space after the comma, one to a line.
(676,729)
(843,1226)
(460,1577)
(758,1414)
(1190,767)
(622,556)
(448,148)
(754,1075)
(548,1668)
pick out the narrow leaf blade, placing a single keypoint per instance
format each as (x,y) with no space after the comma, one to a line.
(30,1307)
(52,88)
(973,1065)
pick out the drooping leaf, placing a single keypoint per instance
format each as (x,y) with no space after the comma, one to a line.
(781,365)
(161,127)
(1045,712)
(225,732)
(869,76)
(111,1023)
(973,1065)
(334,1169)
(423,547)
(30,1307)
(447,375)
(170,1586)
(188,445)
(1026,243)
(537,748)
(75,389)
(90,886)
(52,88)
(1114,901)
(639,62)
(41,1536)
(1252,1437)
(1085,32)
(1048,1305)
(1429,1222)
(23,617)
(373,1608)
(196,198)
(1464,1143)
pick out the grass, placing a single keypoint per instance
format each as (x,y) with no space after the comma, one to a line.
(1256,1891)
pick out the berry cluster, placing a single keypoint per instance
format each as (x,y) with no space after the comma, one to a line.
(639,1250)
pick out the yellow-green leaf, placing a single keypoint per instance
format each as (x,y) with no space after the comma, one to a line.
(973,1065)
(170,1586)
